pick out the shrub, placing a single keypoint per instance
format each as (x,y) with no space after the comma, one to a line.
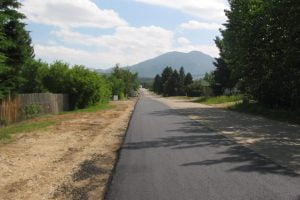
(195,89)
(85,87)
(31,110)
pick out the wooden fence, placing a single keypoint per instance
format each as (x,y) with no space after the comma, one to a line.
(11,107)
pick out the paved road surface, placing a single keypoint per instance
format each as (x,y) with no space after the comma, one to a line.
(167,156)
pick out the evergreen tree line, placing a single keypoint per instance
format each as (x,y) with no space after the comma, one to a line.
(21,73)
(260,52)
(172,83)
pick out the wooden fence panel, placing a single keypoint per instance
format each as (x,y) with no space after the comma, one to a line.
(11,107)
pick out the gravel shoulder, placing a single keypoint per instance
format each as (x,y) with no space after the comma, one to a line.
(70,160)
(275,140)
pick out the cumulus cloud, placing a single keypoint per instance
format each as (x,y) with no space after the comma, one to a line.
(93,59)
(124,40)
(196,25)
(128,45)
(132,43)
(70,13)
(182,41)
(205,9)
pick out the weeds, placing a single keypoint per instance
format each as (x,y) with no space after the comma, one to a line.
(284,115)
(7,132)
(219,99)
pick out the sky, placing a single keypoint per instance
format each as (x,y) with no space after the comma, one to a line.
(101,33)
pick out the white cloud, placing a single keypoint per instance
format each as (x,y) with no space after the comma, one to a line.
(124,40)
(205,9)
(195,25)
(73,56)
(128,45)
(182,41)
(56,52)
(70,13)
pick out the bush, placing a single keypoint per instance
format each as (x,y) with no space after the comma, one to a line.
(280,114)
(85,87)
(123,82)
(195,89)
(220,99)
(31,111)
(3,122)
(34,73)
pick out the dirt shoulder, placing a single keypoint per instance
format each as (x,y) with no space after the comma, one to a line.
(70,160)
(275,140)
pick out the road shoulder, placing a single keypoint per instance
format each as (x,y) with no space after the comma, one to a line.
(275,140)
(70,160)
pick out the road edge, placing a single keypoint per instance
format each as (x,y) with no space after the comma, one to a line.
(118,154)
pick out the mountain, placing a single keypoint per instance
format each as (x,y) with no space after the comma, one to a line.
(195,62)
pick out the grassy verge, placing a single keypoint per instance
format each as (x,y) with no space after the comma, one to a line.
(181,97)
(94,108)
(7,132)
(219,99)
(290,116)
(29,126)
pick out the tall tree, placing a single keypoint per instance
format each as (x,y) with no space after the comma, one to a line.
(181,89)
(165,80)
(262,48)
(34,74)
(157,84)
(223,78)
(4,90)
(174,84)
(209,78)
(188,79)
(17,49)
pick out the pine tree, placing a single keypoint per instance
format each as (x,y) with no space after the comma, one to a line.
(16,47)
(188,79)
(182,89)
(165,79)
(223,74)
(3,44)
(157,85)
(174,84)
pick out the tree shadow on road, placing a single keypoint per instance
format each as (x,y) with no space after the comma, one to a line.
(191,134)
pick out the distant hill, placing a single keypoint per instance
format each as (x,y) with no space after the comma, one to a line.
(195,62)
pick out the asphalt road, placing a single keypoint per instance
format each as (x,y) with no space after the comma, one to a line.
(167,156)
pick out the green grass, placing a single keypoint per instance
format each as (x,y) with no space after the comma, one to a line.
(7,132)
(284,115)
(182,97)
(219,99)
(27,126)
(94,108)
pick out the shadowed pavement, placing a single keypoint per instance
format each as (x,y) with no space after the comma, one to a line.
(167,156)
